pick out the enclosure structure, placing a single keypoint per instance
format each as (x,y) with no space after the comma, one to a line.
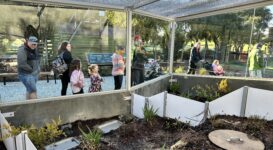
(169,11)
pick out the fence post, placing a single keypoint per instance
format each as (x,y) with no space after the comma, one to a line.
(24,145)
(146,101)
(165,103)
(244,101)
(132,103)
(206,112)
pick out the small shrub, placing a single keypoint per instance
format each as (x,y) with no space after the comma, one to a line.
(174,88)
(91,140)
(149,114)
(206,93)
(39,136)
(223,87)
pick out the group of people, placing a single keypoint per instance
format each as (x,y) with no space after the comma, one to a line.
(29,67)
(195,57)
(255,62)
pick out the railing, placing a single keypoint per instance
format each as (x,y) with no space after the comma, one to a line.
(5,75)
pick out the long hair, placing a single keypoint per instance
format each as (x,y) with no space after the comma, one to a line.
(75,64)
(63,46)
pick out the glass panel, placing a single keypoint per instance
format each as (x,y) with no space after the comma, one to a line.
(150,55)
(223,37)
(93,34)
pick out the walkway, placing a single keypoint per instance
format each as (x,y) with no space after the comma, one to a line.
(15,91)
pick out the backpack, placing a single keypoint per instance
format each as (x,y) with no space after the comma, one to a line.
(58,65)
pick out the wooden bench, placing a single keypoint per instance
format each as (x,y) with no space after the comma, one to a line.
(5,75)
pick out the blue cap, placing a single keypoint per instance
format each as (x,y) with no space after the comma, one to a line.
(33,40)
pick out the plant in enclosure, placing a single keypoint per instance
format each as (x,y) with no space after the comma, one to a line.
(40,136)
(223,87)
(91,139)
(149,113)
(206,93)
(175,88)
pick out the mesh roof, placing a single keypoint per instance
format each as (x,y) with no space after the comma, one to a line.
(165,8)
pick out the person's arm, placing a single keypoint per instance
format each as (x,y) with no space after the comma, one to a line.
(22,61)
(74,79)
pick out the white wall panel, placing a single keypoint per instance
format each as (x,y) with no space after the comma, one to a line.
(184,109)
(259,103)
(229,104)
(138,105)
(157,101)
(5,127)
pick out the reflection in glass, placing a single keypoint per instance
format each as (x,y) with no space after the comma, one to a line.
(150,49)
(228,38)
(93,34)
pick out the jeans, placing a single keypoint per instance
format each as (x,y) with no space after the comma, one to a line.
(29,82)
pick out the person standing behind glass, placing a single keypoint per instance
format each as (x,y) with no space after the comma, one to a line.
(255,62)
(194,58)
(118,66)
(65,48)
(28,60)
(138,69)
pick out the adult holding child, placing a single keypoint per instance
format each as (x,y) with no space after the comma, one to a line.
(28,60)
(118,66)
(65,52)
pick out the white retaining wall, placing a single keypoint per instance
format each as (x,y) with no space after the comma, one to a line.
(259,103)
(21,141)
(245,101)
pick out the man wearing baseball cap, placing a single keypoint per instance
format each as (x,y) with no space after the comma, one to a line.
(29,66)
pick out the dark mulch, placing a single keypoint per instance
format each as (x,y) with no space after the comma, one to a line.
(164,132)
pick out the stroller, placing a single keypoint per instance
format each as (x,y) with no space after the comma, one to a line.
(152,69)
(208,67)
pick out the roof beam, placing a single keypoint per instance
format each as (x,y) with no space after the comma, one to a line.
(143,3)
(71,3)
(231,9)
(147,14)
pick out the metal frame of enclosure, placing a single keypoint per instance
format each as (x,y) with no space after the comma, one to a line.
(167,10)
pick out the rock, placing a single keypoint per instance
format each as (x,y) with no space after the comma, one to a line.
(126,118)
(178,144)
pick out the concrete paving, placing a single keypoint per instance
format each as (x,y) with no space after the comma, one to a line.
(15,91)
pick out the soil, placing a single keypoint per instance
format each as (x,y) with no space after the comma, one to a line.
(162,133)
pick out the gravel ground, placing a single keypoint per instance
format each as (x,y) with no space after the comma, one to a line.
(15,91)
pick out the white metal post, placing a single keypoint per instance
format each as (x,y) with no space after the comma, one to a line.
(128,48)
(173,26)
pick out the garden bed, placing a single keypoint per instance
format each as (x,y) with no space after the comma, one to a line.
(163,133)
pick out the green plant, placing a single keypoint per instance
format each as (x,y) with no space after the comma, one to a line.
(149,113)
(206,93)
(174,88)
(39,136)
(91,140)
